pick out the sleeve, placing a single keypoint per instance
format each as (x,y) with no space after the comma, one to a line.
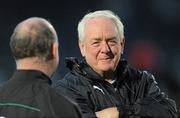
(77,94)
(155,104)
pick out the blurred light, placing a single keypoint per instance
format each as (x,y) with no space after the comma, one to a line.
(145,55)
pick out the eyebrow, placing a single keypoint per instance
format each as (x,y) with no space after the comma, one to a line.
(108,39)
(111,38)
(96,39)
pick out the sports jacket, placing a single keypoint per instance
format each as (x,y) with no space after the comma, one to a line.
(28,94)
(135,93)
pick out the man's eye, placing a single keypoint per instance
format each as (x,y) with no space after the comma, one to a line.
(95,43)
(112,42)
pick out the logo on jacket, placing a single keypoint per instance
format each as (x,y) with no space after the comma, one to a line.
(96,87)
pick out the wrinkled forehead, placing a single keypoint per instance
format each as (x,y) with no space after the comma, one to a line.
(99,19)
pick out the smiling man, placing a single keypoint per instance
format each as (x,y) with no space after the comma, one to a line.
(105,86)
(101,45)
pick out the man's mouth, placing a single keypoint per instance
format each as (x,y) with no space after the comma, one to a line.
(105,59)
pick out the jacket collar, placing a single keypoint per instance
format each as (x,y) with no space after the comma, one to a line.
(84,69)
(30,76)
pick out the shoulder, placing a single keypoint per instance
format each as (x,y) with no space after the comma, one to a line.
(142,76)
(70,83)
(142,82)
(73,86)
(148,76)
(71,79)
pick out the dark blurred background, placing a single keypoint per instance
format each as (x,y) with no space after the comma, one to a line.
(152,31)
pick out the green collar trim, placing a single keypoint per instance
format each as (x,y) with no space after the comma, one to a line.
(20,105)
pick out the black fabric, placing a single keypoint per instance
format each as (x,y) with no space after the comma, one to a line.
(135,93)
(29,94)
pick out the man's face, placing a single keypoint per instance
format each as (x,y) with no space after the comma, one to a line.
(101,46)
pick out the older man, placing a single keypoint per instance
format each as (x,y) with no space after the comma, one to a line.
(34,45)
(105,86)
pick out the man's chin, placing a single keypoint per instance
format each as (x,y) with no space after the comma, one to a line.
(107,69)
(106,66)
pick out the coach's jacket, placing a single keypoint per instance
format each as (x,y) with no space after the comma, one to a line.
(28,94)
(135,93)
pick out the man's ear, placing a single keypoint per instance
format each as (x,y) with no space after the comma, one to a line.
(122,43)
(54,50)
(82,48)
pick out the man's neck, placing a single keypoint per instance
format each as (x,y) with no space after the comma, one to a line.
(33,64)
(109,76)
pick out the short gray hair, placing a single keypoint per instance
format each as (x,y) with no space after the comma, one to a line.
(105,13)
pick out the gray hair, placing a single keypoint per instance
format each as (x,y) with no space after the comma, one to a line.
(104,13)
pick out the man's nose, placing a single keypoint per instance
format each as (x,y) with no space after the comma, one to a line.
(105,47)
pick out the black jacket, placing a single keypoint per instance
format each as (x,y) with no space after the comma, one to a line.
(29,94)
(134,92)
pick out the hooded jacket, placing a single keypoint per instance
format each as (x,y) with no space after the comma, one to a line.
(135,93)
